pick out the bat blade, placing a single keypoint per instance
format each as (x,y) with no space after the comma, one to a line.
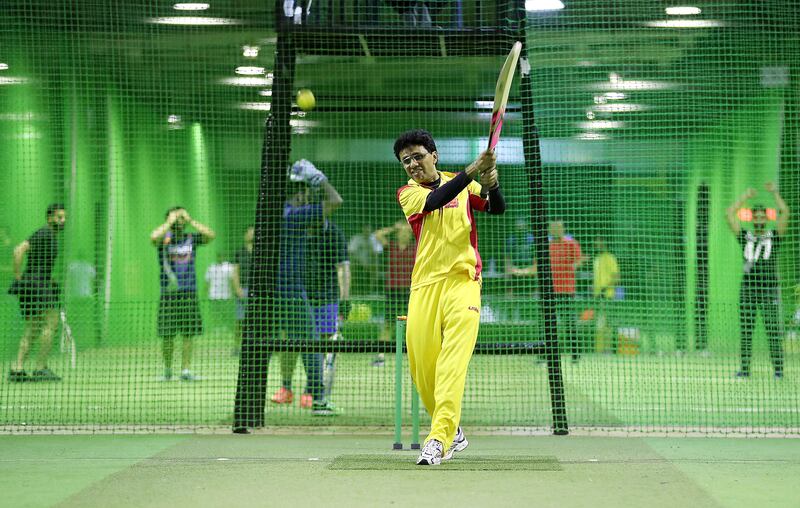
(501,92)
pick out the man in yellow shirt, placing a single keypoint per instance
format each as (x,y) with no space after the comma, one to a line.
(444,306)
(606,278)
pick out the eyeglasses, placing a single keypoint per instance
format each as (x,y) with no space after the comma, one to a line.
(417,157)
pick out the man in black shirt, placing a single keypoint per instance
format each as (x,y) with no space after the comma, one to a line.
(327,283)
(38,294)
(760,290)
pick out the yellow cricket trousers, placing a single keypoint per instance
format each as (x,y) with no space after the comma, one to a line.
(441,331)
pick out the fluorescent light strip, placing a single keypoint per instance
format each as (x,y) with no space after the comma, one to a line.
(591,136)
(247,81)
(248,70)
(3,66)
(192,20)
(191,6)
(683,11)
(685,23)
(601,124)
(543,5)
(634,84)
(9,80)
(618,108)
(255,106)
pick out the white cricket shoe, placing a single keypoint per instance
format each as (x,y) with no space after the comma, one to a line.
(460,444)
(431,454)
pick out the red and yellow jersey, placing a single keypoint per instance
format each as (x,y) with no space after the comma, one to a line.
(447,238)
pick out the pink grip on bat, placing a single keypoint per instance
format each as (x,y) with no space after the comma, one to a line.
(496,127)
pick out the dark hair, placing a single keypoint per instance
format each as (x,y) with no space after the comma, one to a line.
(416,137)
(173,209)
(758,208)
(52,209)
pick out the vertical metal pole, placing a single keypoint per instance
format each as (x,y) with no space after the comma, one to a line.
(399,336)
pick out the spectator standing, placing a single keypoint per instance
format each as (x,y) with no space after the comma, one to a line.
(398,242)
(39,295)
(565,258)
(760,289)
(178,308)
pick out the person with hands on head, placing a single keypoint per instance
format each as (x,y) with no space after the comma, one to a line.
(760,287)
(444,304)
(178,308)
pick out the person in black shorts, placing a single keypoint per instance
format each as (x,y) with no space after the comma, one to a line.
(760,290)
(39,296)
(178,310)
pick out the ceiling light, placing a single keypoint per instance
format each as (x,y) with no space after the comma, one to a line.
(255,106)
(249,70)
(484,104)
(247,81)
(9,80)
(250,51)
(618,108)
(19,117)
(590,115)
(600,124)
(591,136)
(3,66)
(191,7)
(684,23)
(616,83)
(543,5)
(265,93)
(192,20)
(682,11)
(174,119)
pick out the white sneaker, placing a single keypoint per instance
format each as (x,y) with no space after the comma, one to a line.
(431,454)
(460,444)
(187,375)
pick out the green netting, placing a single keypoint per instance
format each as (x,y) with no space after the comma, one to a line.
(650,126)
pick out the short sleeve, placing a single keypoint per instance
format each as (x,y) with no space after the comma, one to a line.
(37,239)
(412,199)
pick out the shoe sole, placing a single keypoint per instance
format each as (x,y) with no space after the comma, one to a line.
(424,462)
(323,412)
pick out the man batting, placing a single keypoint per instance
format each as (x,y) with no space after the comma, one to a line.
(444,306)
